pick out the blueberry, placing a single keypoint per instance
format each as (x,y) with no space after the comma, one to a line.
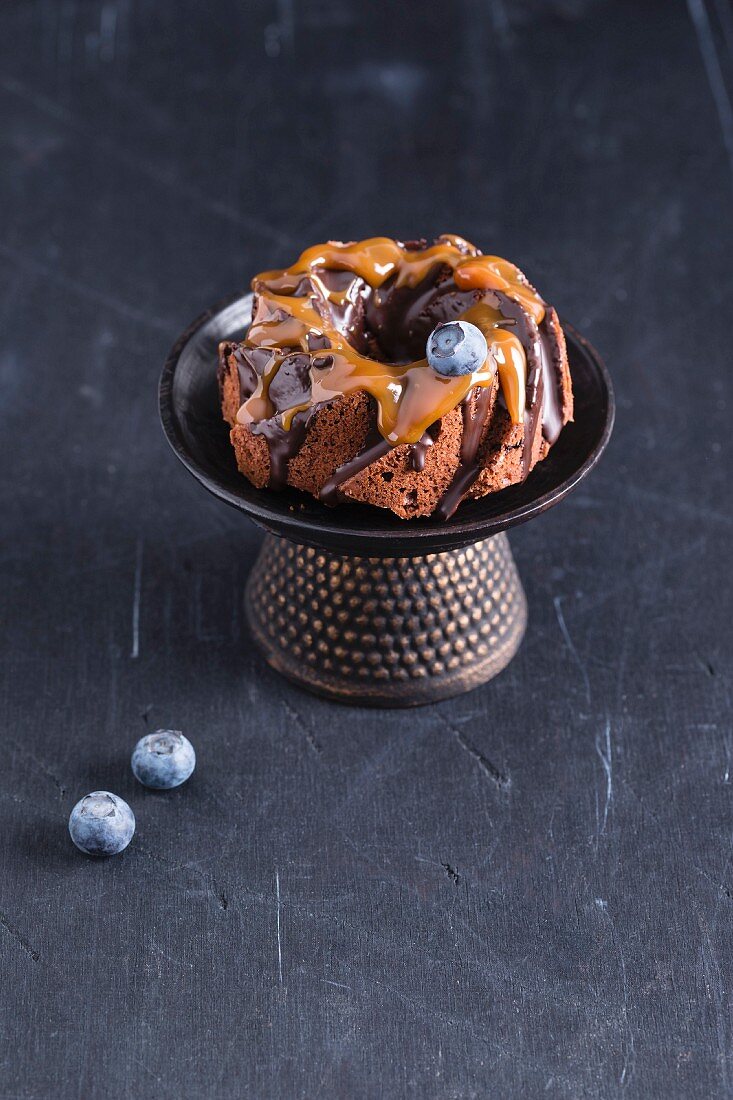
(101,824)
(457,347)
(163,759)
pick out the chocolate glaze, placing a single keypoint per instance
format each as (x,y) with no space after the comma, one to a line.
(419,450)
(552,421)
(316,341)
(282,445)
(532,411)
(526,329)
(292,383)
(542,394)
(251,365)
(376,301)
(402,317)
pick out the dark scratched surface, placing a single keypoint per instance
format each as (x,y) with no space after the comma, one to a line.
(344,903)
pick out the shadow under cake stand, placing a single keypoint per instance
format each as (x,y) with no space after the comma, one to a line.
(354,603)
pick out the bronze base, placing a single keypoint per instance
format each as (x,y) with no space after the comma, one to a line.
(387,632)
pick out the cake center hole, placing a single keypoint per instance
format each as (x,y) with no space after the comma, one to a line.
(392,323)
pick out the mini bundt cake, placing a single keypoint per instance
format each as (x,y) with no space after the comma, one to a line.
(331,391)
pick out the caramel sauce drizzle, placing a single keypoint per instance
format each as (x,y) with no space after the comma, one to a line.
(410,397)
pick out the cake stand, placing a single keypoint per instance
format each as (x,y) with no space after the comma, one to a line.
(354,603)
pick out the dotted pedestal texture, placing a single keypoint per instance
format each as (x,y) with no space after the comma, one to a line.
(387,631)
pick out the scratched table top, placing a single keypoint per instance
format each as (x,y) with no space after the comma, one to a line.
(527,891)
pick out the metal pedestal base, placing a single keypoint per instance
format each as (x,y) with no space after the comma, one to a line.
(387,632)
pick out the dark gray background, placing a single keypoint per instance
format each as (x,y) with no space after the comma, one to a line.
(344,903)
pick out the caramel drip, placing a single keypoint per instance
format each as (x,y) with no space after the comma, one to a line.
(509,355)
(298,303)
(525,367)
(377,259)
(409,397)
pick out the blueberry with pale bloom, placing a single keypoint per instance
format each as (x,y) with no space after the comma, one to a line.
(163,759)
(457,348)
(101,824)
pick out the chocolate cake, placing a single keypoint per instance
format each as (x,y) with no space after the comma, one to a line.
(331,392)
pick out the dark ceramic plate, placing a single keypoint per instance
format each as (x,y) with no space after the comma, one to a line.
(192,421)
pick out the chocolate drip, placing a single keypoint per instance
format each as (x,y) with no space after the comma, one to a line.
(347,311)
(552,418)
(543,378)
(533,409)
(470,465)
(291,386)
(524,324)
(419,450)
(252,363)
(539,382)
(282,445)
(316,341)
(374,448)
